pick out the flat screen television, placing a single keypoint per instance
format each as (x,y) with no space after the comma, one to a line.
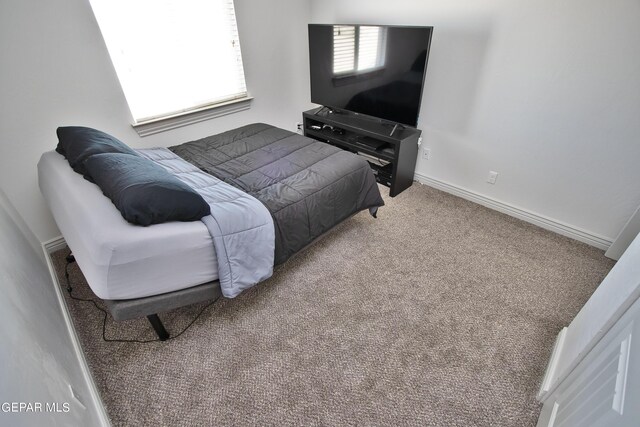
(376,70)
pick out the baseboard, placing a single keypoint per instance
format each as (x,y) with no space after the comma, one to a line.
(55,244)
(550,224)
(48,247)
(553,364)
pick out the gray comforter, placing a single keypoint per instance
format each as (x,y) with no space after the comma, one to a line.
(240,226)
(307,186)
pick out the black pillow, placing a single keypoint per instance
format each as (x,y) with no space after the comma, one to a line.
(78,143)
(145,193)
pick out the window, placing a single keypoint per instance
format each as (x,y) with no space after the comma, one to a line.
(173,56)
(358,48)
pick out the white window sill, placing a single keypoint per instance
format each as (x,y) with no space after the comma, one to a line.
(162,124)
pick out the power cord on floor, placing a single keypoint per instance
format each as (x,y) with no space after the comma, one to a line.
(70,260)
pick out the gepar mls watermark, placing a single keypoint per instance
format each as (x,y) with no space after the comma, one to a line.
(35,407)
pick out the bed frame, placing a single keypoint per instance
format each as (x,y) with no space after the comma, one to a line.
(152,305)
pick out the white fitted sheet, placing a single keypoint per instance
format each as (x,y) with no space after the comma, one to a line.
(121,260)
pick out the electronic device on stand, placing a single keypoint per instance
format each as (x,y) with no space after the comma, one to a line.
(369,80)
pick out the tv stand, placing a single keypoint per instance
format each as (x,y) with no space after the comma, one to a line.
(391,155)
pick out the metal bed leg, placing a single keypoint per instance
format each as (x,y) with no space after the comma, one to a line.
(158,327)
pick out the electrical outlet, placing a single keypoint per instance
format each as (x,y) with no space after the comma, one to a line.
(299,128)
(492,177)
(426,153)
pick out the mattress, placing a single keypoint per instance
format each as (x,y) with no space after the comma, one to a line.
(118,259)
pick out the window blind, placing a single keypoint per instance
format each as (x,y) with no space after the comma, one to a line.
(371,42)
(173,56)
(358,48)
(344,48)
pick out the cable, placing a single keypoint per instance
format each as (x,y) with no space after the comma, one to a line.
(70,260)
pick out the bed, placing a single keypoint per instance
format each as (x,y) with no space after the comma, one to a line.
(306,186)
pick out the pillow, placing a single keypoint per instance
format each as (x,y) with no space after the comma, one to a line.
(145,193)
(78,143)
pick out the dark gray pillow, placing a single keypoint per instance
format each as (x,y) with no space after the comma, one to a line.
(145,193)
(78,143)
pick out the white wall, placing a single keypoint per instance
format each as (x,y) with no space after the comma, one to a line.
(37,356)
(544,92)
(56,71)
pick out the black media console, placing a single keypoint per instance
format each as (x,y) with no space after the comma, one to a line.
(390,149)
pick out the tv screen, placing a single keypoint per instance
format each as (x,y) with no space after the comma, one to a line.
(369,69)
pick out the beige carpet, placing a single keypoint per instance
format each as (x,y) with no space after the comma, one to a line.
(440,312)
